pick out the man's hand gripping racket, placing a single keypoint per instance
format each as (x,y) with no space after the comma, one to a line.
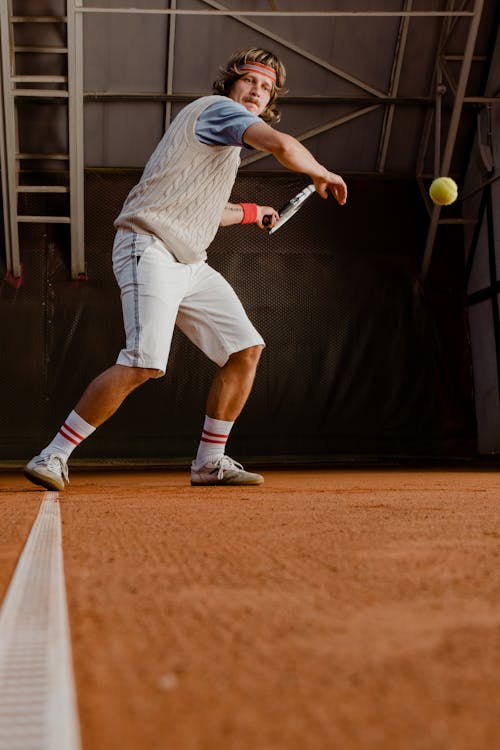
(290,208)
(327,182)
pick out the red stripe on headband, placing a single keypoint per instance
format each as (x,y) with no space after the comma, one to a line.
(256,67)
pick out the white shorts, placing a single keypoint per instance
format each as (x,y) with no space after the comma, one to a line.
(158,293)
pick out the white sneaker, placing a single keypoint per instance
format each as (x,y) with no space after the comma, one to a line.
(50,472)
(222,471)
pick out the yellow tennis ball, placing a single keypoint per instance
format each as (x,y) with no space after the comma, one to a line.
(443,191)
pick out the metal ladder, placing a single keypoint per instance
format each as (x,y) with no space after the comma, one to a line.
(58,173)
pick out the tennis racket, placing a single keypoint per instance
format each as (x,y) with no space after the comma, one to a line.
(290,208)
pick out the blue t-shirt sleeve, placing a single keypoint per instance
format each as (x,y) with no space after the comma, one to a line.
(223,124)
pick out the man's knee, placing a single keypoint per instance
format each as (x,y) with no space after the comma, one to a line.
(141,374)
(149,373)
(248,357)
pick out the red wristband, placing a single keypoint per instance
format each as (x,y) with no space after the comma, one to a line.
(249,213)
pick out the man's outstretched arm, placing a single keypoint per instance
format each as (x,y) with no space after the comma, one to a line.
(296,157)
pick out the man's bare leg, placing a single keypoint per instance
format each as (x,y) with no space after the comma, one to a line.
(108,391)
(232,384)
(101,399)
(227,397)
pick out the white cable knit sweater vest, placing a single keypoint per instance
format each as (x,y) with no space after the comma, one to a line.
(183,189)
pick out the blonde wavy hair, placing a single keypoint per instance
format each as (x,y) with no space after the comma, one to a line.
(231,72)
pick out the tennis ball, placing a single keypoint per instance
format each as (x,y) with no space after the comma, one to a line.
(443,191)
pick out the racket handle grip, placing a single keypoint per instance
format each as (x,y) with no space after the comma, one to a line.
(267,219)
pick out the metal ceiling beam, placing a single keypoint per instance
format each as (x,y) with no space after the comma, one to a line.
(223,11)
(450,16)
(217,9)
(445,70)
(453,127)
(299,50)
(393,88)
(449,26)
(451,22)
(430,118)
(185,98)
(316,131)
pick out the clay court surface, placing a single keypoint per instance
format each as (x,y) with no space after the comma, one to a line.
(328,609)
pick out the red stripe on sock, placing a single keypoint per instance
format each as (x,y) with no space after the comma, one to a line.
(73,432)
(67,436)
(212,437)
(216,434)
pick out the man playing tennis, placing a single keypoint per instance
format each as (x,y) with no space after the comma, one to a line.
(164,229)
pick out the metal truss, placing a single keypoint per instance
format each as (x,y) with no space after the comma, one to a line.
(442,162)
(369,98)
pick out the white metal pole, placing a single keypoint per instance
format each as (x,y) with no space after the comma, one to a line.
(9,144)
(76,137)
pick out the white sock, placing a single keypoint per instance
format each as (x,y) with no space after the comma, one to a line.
(72,433)
(213,440)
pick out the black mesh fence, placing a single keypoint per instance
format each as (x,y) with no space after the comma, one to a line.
(353,365)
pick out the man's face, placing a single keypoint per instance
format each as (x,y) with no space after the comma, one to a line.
(253,90)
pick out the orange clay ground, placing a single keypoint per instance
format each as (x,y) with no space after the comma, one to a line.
(326,610)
